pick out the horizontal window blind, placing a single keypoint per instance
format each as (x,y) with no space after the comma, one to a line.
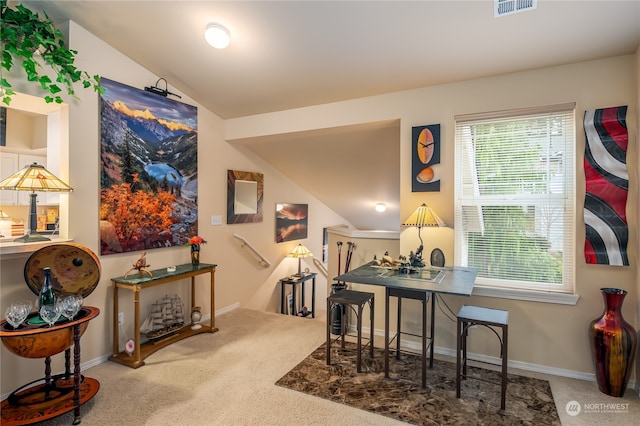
(515,197)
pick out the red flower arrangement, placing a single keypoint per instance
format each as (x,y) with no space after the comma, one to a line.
(197,240)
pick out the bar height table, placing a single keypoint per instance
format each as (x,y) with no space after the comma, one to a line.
(418,285)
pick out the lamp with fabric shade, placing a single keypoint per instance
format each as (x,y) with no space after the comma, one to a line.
(299,252)
(34,177)
(421,217)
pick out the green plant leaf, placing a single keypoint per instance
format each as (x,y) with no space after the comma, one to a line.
(32,41)
(54,88)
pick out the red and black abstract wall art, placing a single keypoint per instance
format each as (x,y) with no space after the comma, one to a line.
(607,182)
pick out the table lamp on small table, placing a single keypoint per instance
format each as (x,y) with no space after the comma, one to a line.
(299,252)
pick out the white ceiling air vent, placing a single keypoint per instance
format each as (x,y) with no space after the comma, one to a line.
(508,7)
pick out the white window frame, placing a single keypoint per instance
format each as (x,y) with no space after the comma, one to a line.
(469,202)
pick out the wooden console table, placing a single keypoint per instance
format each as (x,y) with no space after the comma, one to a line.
(139,282)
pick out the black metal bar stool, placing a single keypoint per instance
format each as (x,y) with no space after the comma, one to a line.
(351,299)
(427,340)
(492,319)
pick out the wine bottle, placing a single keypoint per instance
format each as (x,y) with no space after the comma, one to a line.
(47,296)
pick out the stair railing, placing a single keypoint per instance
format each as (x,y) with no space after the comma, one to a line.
(321,267)
(261,259)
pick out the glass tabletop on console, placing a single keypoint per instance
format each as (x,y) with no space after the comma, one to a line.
(160,274)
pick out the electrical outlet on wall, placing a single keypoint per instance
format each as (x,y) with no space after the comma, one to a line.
(120,318)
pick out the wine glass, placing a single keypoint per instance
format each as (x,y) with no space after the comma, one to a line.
(70,305)
(25,307)
(28,306)
(13,315)
(50,313)
(17,313)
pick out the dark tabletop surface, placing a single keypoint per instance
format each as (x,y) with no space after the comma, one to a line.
(450,280)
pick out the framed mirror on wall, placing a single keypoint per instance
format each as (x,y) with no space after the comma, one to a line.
(245,200)
(244,196)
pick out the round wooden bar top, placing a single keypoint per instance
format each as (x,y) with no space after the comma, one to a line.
(40,340)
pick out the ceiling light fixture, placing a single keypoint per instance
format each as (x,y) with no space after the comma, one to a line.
(380,207)
(217,36)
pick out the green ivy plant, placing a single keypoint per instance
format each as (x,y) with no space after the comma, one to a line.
(31,41)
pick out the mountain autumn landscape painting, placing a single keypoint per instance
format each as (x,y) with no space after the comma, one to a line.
(148,170)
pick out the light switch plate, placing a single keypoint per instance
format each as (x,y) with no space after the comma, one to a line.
(216,219)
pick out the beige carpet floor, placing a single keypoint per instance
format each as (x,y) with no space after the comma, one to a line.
(228,378)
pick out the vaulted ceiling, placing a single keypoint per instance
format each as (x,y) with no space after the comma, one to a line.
(289,54)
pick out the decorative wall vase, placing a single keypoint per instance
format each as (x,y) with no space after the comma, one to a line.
(613,344)
(195,255)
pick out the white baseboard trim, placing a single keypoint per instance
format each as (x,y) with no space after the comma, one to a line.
(225,310)
(526,366)
(97,361)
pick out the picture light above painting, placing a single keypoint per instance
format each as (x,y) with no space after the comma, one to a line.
(244,196)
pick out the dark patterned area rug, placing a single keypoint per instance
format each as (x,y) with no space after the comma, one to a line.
(529,401)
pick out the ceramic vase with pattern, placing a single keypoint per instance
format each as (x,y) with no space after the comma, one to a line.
(613,344)
(196,316)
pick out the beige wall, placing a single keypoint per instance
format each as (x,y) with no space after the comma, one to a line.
(240,280)
(543,334)
(637,191)
(25,132)
(548,336)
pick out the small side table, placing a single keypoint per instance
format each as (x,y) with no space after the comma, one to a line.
(294,281)
(52,395)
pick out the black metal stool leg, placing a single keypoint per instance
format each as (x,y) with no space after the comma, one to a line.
(492,319)
(399,326)
(424,343)
(465,334)
(343,324)
(371,304)
(386,333)
(505,334)
(458,357)
(329,316)
(359,343)
(356,301)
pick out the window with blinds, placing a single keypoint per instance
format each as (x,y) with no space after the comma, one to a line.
(514,213)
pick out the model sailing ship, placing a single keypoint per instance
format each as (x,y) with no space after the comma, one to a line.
(166,317)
